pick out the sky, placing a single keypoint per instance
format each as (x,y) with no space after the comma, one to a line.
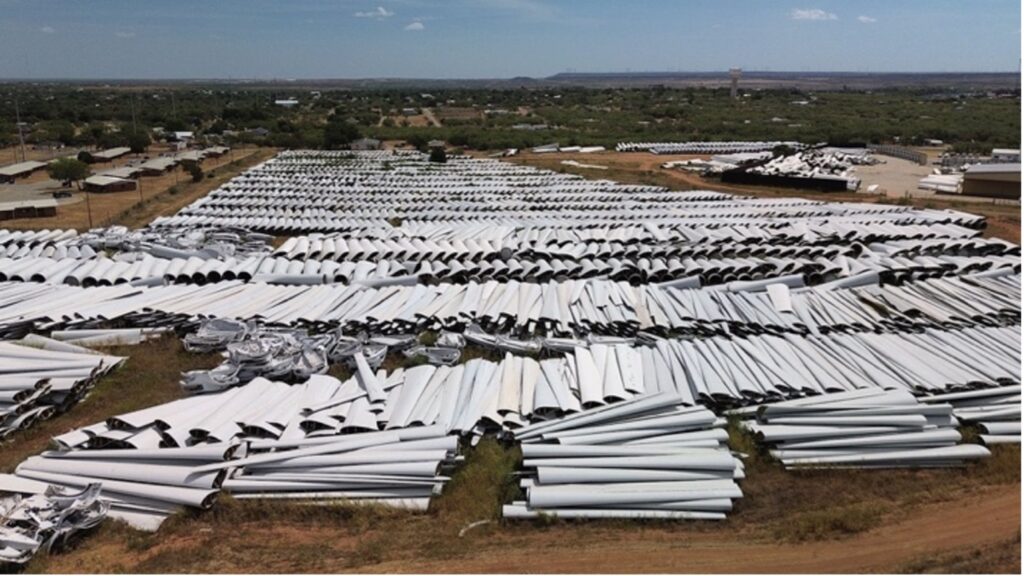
(286,39)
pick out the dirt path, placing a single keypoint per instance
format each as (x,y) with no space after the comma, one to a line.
(429,114)
(988,518)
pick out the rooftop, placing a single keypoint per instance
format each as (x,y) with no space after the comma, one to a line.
(21,168)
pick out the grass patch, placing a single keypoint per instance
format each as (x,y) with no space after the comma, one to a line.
(830,523)
(368,551)
(743,441)
(481,486)
(353,516)
(1001,558)
(1002,468)
(970,434)
(148,377)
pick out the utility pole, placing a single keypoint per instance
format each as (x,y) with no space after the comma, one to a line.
(88,207)
(135,128)
(21,137)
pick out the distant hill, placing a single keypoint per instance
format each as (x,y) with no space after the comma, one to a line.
(751,80)
(801,80)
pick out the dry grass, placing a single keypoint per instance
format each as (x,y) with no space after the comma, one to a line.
(1001,558)
(834,522)
(149,377)
(482,485)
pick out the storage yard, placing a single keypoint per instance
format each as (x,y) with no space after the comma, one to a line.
(479,359)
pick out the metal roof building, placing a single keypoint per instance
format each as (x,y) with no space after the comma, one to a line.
(992,180)
(39,208)
(123,172)
(20,170)
(1011,155)
(110,154)
(103,183)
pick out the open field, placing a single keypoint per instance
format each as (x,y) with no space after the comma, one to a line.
(126,208)
(645,168)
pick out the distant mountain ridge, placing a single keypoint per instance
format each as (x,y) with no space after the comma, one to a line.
(753,79)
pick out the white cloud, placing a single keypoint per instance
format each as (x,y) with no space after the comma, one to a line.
(124,34)
(415,26)
(534,9)
(47,30)
(866,19)
(812,14)
(380,13)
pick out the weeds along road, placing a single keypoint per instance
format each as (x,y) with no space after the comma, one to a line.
(935,533)
(975,532)
(958,520)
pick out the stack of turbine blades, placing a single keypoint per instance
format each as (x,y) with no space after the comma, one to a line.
(869,428)
(40,378)
(995,411)
(647,457)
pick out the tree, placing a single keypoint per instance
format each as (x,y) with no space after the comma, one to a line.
(68,170)
(194,170)
(218,127)
(138,141)
(112,140)
(418,141)
(6,134)
(438,155)
(85,157)
(339,133)
(56,131)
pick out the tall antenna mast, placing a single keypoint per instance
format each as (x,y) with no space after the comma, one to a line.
(734,89)
(21,137)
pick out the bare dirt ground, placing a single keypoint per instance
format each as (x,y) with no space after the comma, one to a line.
(645,168)
(989,519)
(417,120)
(431,118)
(967,530)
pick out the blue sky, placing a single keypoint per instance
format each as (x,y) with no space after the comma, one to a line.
(497,38)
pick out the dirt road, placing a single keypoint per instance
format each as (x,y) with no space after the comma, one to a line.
(964,525)
(429,114)
(979,531)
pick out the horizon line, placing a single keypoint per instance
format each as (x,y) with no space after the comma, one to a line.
(493,78)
